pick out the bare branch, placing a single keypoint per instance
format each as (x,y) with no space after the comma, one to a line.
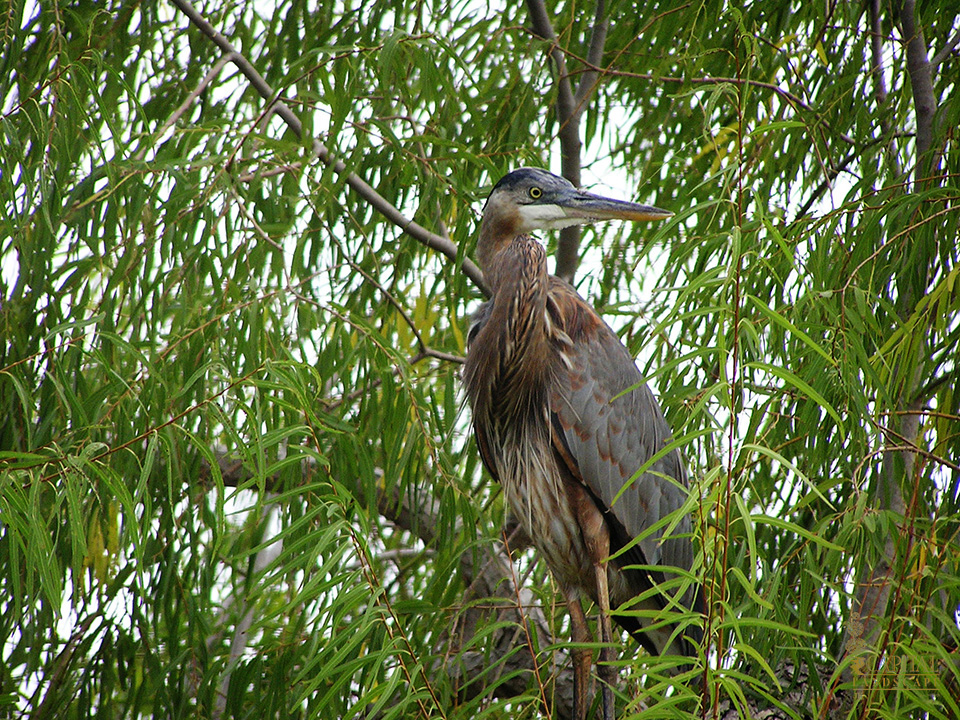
(543,28)
(431,240)
(278,170)
(598,38)
(569,109)
(921,84)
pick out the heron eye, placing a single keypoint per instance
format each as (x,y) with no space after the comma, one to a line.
(536,193)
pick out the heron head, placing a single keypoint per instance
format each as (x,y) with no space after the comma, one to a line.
(531,199)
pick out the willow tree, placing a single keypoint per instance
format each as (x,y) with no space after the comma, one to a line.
(236,478)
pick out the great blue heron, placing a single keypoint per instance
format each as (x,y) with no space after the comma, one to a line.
(564,421)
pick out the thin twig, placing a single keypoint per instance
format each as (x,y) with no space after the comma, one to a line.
(905,445)
(425,349)
(191,98)
(945,51)
(715,80)
(840,167)
(279,170)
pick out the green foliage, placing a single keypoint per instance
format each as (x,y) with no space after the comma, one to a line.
(236,478)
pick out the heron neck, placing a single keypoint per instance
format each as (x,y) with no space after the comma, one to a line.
(517,267)
(519,281)
(508,364)
(497,231)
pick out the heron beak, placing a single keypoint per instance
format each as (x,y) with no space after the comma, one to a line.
(584,207)
(562,208)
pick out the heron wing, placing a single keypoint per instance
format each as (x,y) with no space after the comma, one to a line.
(477,322)
(610,425)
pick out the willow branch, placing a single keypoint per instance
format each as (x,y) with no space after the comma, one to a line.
(838,168)
(443,245)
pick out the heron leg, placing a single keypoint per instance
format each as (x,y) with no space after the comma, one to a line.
(597,539)
(605,668)
(582,657)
